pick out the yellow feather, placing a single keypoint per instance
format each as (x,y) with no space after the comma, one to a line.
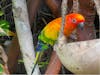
(51,30)
(36,61)
(37,57)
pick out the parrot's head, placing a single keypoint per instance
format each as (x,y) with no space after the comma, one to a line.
(73,21)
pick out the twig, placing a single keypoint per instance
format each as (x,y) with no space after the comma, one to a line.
(75,7)
(4,57)
(43,19)
(61,37)
(63,13)
(47,14)
(24,35)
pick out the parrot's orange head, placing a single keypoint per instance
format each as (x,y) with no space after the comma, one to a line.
(73,21)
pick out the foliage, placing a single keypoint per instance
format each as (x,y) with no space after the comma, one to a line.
(1,69)
(1,13)
(4,27)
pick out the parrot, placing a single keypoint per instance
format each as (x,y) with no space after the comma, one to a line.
(50,32)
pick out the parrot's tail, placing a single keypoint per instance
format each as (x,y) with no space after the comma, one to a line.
(36,61)
(41,46)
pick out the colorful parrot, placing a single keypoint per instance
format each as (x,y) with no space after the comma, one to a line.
(49,34)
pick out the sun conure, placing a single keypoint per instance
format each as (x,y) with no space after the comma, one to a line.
(50,33)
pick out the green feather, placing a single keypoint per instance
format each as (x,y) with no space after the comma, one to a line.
(43,38)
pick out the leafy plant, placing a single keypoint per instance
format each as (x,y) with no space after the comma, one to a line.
(1,69)
(4,28)
(1,13)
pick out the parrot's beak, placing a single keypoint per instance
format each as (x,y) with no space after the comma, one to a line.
(81,25)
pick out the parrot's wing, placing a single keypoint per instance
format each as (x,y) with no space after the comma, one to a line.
(50,32)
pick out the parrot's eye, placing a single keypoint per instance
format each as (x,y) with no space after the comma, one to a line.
(74,20)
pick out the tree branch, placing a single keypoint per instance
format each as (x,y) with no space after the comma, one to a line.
(61,37)
(75,7)
(24,35)
(4,57)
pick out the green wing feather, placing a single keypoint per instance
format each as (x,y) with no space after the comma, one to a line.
(46,40)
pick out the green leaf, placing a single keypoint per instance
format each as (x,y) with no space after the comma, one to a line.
(1,13)
(4,27)
(1,68)
(2,32)
(20,61)
(4,24)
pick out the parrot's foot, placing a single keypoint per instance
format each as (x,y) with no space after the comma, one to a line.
(62,41)
(73,37)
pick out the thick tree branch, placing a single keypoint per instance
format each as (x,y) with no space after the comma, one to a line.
(54,64)
(13,54)
(24,35)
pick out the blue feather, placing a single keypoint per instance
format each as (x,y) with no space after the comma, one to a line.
(41,46)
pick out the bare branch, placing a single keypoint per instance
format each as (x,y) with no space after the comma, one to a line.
(61,37)
(24,35)
(63,13)
(75,7)
(4,57)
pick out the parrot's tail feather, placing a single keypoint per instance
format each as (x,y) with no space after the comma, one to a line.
(41,46)
(36,61)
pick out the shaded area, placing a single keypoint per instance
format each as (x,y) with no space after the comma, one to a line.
(96,22)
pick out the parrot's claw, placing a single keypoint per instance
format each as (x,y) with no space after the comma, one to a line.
(73,37)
